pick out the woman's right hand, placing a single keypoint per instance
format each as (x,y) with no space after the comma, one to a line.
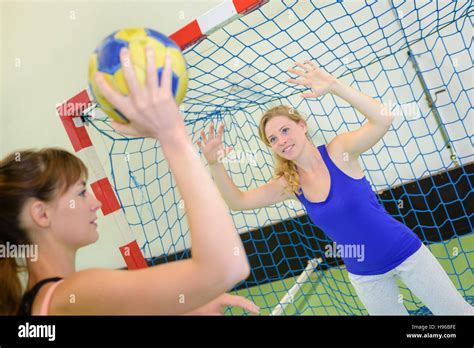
(151,109)
(212,147)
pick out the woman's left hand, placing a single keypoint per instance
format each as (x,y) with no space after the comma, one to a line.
(320,81)
(217,306)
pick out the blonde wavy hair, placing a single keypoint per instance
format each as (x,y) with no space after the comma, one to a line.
(283,167)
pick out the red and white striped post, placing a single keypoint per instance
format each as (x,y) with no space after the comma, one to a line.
(70,114)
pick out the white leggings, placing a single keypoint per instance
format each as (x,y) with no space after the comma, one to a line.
(423,275)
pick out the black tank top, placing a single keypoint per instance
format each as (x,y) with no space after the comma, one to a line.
(29,296)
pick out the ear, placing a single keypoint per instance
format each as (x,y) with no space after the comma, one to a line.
(40,214)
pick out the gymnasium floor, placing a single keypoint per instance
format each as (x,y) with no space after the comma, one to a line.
(317,298)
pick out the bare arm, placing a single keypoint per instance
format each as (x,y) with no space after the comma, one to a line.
(270,193)
(263,196)
(379,118)
(218,258)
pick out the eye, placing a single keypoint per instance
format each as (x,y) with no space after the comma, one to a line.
(83,193)
(285,130)
(272,140)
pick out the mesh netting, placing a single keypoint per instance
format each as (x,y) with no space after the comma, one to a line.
(415,57)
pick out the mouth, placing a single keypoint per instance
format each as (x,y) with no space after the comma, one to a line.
(94,222)
(288,148)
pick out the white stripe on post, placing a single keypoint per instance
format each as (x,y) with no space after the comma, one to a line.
(217,17)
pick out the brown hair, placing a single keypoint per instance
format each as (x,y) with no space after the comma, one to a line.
(43,175)
(284,167)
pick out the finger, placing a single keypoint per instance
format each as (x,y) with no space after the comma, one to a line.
(309,95)
(129,73)
(228,150)
(211,131)
(199,144)
(297,82)
(301,65)
(124,129)
(151,75)
(297,72)
(113,96)
(242,302)
(220,131)
(310,63)
(203,136)
(166,76)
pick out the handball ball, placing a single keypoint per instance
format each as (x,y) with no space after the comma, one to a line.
(106,59)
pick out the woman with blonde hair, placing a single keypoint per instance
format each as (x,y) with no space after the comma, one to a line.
(44,202)
(331,185)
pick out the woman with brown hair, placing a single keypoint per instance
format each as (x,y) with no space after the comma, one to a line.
(44,202)
(331,185)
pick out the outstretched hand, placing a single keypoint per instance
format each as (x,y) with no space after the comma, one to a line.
(211,146)
(320,81)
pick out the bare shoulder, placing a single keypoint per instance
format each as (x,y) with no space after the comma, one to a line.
(344,160)
(282,183)
(81,292)
(336,150)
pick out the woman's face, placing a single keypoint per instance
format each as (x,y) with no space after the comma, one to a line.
(73,216)
(286,136)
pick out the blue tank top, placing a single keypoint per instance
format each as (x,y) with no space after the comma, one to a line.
(366,236)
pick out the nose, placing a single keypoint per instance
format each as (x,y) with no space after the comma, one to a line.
(96,204)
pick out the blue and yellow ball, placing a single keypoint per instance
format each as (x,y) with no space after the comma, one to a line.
(106,59)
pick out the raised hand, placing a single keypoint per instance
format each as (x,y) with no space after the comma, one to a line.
(151,110)
(212,147)
(320,81)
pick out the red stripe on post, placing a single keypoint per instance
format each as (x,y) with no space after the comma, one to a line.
(105,194)
(67,112)
(246,6)
(76,105)
(133,256)
(77,135)
(188,35)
